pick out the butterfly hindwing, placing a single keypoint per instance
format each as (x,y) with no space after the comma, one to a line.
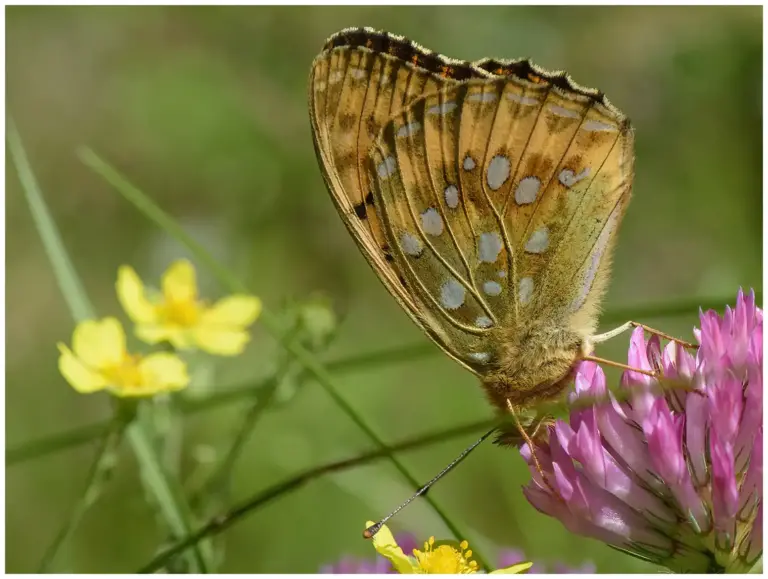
(494,191)
(448,240)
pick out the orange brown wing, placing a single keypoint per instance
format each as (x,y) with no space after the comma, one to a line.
(360,79)
(467,179)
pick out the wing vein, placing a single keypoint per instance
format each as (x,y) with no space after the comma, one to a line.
(545,189)
(416,277)
(438,204)
(511,259)
(576,211)
(472,290)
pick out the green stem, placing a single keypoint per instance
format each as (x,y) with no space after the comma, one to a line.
(167,495)
(81,308)
(217,482)
(54,443)
(221,523)
(98,474)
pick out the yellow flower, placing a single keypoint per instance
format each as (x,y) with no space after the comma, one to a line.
(178,316)
(99,359)
(445,558)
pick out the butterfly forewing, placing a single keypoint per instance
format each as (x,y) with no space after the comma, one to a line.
(351,94)
(357,83)
(585,175)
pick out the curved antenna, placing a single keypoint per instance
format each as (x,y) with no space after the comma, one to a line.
(373,529)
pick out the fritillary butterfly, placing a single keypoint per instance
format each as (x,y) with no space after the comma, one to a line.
(485,195)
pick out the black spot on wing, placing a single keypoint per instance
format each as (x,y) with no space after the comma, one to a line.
(360,211)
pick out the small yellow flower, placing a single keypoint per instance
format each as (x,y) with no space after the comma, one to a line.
(444,559)
(178,316)
(99,359)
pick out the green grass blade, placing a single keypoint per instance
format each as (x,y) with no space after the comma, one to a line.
(148,207)
(81,308)
(99,473)
(165,490)
(54,443)
(64,271)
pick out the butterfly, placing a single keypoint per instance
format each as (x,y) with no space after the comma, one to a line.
(486,196)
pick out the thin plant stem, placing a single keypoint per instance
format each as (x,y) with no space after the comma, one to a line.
(222,522)
(166,491)
(99,473)
(81,308)
(216,483)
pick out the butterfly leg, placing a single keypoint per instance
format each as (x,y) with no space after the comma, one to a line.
(543,421)
(665,336)
(600,338)
(620,365)
(532,447)
(626,326)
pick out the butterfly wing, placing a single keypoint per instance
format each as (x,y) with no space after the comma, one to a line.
(488,206)
(566,197)
(448,240)
(357,83)
(490,197)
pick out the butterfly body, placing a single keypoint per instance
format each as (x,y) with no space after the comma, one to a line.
(485,195)
(533,363)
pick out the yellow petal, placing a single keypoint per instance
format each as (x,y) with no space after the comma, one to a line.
(514,569)
(79,376)
(99,343)
(178,337)
(221,341)
(385,545)
(179,282)
(237,310)
(132,296)
(160,372)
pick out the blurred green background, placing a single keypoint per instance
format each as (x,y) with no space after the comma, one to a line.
(205,110)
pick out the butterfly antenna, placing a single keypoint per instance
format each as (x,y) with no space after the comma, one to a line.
(373,529)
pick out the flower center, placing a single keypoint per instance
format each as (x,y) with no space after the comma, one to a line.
(445,558)
(126,374)
(184,313)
